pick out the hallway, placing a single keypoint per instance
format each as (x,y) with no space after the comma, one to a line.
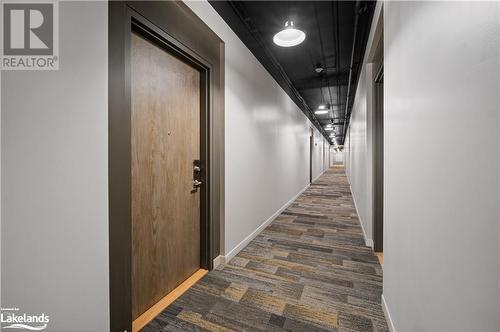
(156,166)
(309,270)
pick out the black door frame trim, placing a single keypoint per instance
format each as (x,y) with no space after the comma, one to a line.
(125,20)
(311,147)
(378,161)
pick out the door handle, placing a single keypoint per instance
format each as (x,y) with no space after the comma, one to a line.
(196,175)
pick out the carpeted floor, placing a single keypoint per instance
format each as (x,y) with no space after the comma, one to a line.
(309,270)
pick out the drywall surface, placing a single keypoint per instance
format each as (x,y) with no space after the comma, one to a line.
(266,138)
(319,155)
(54,179)
(346,154)
(336,157)
(441,210)
(357,146)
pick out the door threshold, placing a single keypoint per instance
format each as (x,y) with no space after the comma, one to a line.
(156,309)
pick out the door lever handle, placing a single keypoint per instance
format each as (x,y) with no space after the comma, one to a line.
(197,183)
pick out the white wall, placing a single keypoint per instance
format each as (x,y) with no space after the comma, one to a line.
(358,144)
(266,139)
(347,154)
(441,211)
(336,156)
(319,161)
(359,165)
(54,179)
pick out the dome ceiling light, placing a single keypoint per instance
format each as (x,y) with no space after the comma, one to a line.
(322,109)
(318,68)
(289,36)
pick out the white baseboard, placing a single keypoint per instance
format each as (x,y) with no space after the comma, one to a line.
(259,229)
(219,260)
(368,242)
(319,175)
(387,315)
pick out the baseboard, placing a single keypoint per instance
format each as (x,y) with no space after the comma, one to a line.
(387,315)
(168,299)
(319,175)
(368,242)
(218,261)
(259,229)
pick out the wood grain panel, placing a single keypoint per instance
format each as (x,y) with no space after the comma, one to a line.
(165,97)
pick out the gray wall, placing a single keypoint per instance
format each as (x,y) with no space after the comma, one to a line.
(54,179)
(442,87)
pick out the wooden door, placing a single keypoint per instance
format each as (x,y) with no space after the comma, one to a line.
(165,127)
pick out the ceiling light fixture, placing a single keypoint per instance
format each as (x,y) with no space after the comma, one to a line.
(289,36)
(322,109)
(328,128)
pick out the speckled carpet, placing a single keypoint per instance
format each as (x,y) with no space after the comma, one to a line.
(309,270)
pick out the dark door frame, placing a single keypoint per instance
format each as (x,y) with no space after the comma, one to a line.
(143,18)
(311,146)
(378,161)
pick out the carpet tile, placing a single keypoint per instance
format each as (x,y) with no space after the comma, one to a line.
(309,270)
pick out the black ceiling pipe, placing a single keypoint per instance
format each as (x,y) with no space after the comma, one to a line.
(356,19)
(337,53)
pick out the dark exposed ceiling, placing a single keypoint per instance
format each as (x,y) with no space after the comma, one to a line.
(336,35)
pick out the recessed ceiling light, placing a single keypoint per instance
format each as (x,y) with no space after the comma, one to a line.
(320,111)
(289,36)
(328,128)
